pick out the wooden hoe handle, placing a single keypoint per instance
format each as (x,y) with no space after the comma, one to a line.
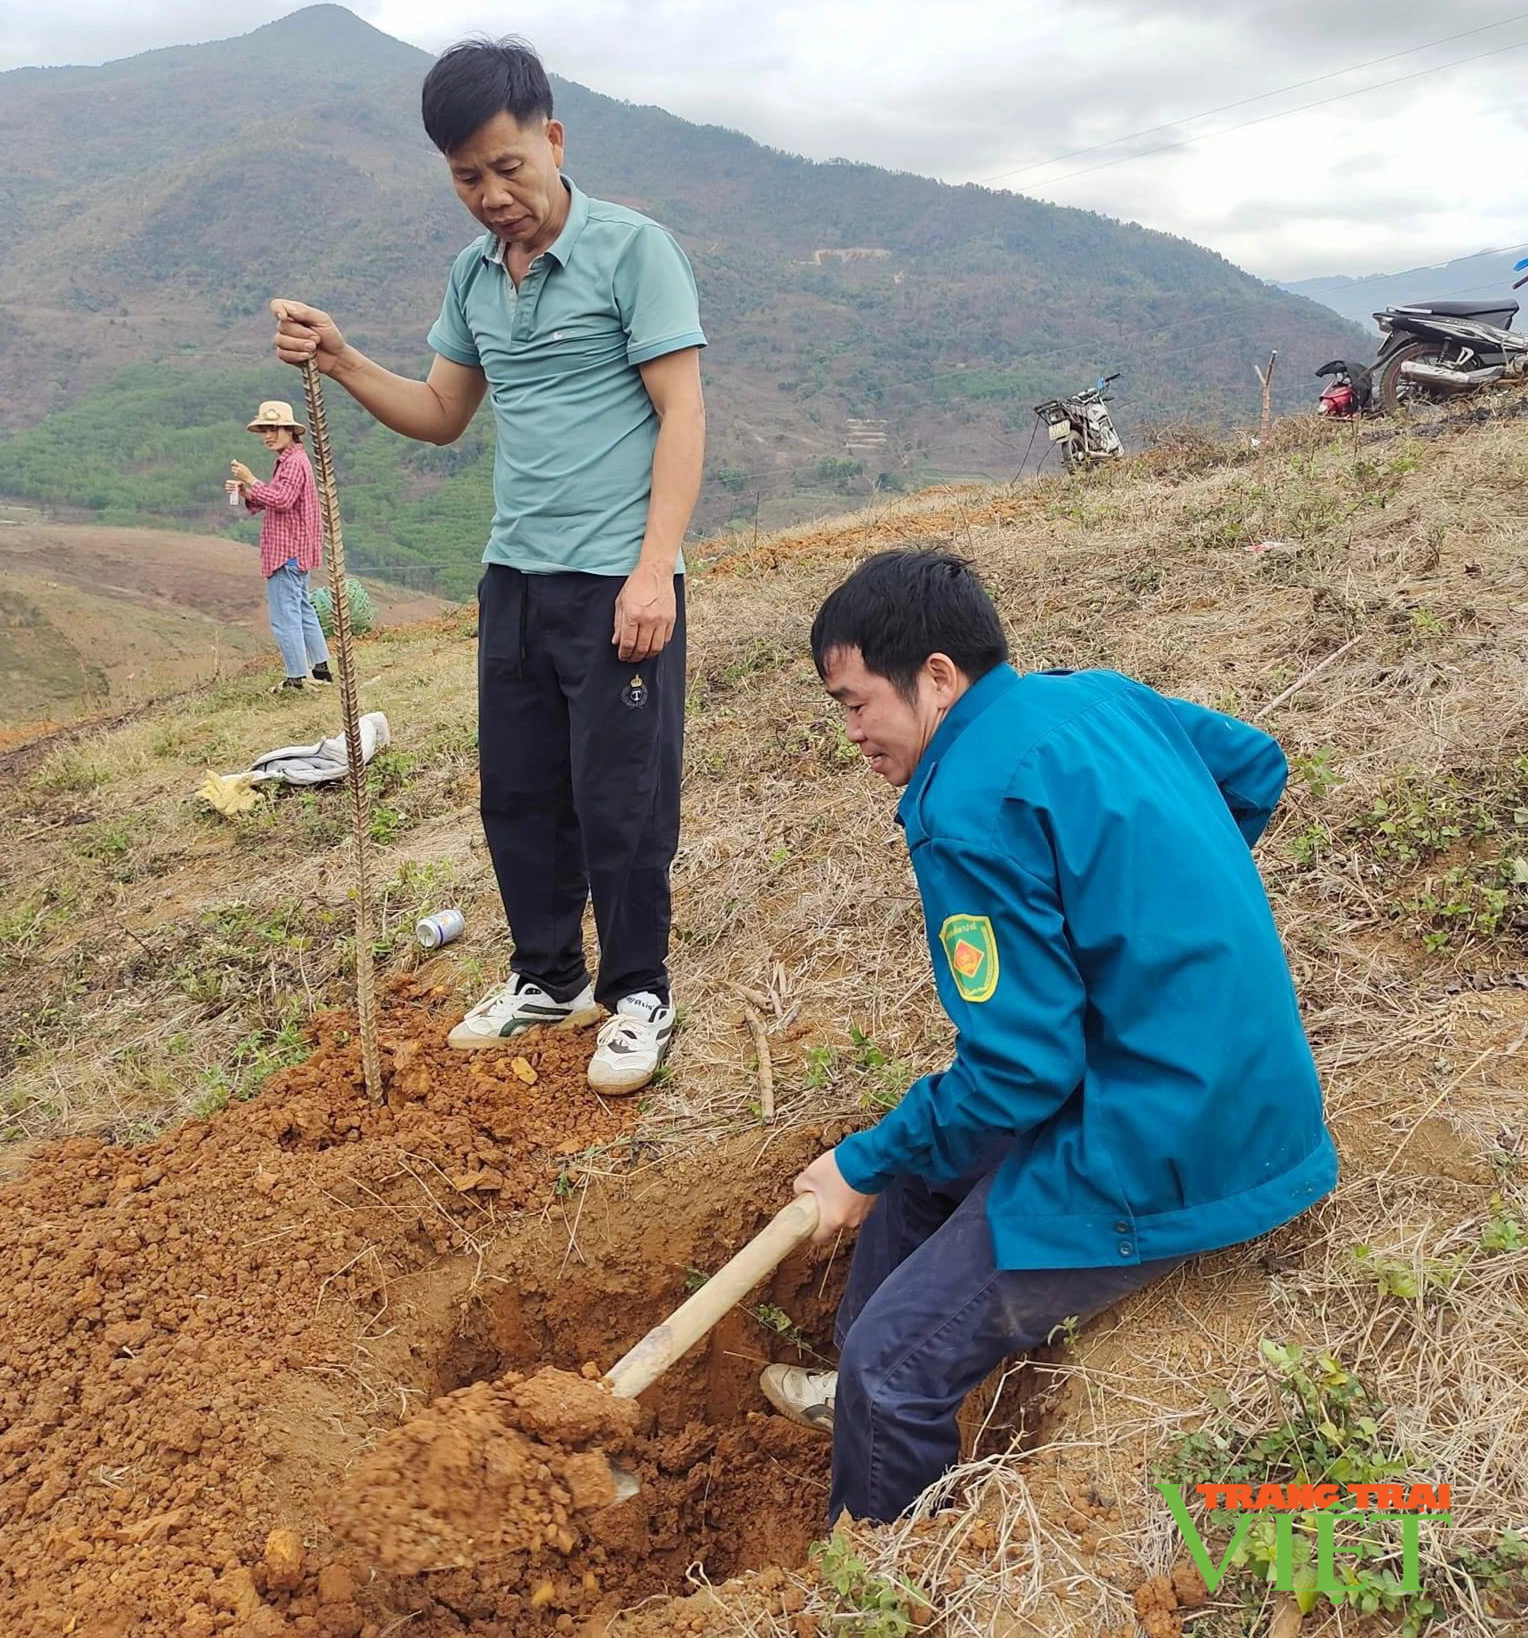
(674,1338)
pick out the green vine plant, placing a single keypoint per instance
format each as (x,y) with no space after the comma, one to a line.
(870,1605)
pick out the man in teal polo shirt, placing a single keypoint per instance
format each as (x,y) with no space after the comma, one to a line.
(580,319)
(1131,1082)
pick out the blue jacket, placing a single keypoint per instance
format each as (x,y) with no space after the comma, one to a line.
(1104,946)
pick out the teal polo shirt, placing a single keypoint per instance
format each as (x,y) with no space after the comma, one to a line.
(573,473)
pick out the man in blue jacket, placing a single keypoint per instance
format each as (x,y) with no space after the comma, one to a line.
(1131,1084)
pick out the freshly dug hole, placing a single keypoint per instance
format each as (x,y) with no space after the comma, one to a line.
(489,1505)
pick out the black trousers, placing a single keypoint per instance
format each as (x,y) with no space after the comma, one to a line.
(579,754)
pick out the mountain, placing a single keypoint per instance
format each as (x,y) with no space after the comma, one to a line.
(869,328)
(1486,274)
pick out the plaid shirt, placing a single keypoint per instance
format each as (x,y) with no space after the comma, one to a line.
(291,526)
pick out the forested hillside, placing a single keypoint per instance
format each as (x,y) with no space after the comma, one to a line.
(870,330)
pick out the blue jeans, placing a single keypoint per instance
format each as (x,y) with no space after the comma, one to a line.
(294,621)
(925,1316)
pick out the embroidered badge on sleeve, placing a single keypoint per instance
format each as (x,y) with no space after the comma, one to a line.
(970,945)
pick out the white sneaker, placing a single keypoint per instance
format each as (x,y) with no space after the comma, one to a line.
(804,1396)
(633,1043)
(521,1005)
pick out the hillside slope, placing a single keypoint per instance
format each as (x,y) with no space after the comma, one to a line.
(921,358)
(96,619)
(224,1277)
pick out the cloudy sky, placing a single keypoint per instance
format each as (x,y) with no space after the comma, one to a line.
(1296,136)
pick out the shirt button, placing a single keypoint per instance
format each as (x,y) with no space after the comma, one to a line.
(1122,1227)
(1124,1248)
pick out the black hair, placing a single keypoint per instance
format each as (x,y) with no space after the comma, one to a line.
(897,608)
(475,81)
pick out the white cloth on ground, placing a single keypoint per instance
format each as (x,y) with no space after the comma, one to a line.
(326,761)
(321,764)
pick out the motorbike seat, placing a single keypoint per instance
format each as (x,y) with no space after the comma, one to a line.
(1498,312)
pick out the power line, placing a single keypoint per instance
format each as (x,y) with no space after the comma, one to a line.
(1244,102)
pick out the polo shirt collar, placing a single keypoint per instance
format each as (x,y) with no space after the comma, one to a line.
(578,214)
(561,248)
(979,697)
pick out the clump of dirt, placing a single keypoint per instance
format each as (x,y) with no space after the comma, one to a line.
(1156,1608)
(491,1123)
(494,1468)
(484,1523)
(1159,1602)
(510,1484)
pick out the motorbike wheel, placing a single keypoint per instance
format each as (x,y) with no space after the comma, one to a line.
(1391,389)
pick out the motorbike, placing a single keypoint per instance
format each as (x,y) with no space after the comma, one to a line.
(1432,351)
(1083,426)
(1350,391)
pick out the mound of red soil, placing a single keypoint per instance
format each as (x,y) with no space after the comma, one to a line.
(155,1300)
(495,1468)
(510,1484)
(202,1335)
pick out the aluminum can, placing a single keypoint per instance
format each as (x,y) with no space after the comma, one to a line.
(443,927)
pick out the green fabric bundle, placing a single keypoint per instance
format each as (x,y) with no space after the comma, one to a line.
(363,614)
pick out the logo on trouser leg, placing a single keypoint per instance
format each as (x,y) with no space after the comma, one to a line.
(635,693)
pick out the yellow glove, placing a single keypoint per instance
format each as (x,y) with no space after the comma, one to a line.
(230,794)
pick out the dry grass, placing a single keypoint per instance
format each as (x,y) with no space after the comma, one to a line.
(792,883)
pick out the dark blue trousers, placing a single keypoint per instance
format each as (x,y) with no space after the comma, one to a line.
(926,1315)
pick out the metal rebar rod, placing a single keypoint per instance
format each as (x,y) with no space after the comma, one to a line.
(350,703)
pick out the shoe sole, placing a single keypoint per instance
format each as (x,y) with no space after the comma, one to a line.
(821,1422)
(465,1040)
(626,1091)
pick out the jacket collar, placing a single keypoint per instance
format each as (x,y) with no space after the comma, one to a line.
(978,698)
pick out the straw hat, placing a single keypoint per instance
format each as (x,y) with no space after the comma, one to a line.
(273,413)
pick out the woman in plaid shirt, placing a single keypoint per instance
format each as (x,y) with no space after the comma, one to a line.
(291,543)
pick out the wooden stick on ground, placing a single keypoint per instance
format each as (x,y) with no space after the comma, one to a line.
(761,1047)
(344,642)
(1310,676)
(756,998)
(766,1068)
